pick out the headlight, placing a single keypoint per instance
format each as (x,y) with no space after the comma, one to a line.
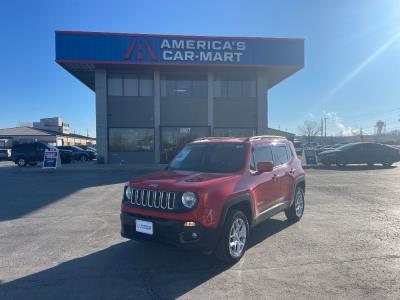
(129,192)
(189,199)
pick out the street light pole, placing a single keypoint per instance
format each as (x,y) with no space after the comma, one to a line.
(325,128)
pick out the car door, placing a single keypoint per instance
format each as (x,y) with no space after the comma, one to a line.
(282,172)
(265,184)
(39,152)
(354,154)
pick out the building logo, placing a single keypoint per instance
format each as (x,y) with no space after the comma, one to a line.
(139,48)
(185,50)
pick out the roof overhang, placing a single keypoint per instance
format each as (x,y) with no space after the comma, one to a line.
(81,53)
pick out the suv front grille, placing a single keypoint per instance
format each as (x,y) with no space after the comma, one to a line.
(154,199)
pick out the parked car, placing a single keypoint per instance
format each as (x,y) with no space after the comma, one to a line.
(298,147)
(5,154)
(79,153)
(32,153)
(213,192)
(92,151)
(361,153)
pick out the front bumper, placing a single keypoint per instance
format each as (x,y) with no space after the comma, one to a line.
(171,232)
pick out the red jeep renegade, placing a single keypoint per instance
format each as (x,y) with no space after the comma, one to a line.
(213,192)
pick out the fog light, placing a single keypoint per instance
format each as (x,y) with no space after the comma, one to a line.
(189,224)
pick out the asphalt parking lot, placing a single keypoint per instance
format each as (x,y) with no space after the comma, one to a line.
(59,238)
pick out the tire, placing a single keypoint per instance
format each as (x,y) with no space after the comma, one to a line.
(327,164)
(341,164)
(21,162)
(226,252)
(83,158)
(296,210)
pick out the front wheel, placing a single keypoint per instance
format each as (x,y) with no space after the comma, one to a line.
(234,238)
(296,210)
(387,164)
(83,158)
(21,162)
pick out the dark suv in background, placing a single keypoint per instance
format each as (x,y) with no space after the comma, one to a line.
(24,154)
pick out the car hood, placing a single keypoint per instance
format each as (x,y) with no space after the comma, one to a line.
(180,179)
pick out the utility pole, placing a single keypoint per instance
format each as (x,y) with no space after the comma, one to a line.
(325,128)
(322,129)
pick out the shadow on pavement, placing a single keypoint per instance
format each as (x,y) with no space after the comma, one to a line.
(23,192)
(134,270)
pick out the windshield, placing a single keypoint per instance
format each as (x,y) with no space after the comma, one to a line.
(210,157)
(345,147)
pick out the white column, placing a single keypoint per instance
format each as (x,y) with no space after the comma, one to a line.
(210,115)
(262,103)
(101,114)
(157,116)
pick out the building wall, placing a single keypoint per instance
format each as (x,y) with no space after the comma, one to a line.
(158,112)
(184,111)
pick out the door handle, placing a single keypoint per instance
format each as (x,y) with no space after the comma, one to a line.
(292,171)
(275,177)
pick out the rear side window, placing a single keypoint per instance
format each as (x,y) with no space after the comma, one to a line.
(261,153)
(279,155)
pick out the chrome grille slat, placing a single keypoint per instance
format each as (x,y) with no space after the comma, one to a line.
(154,199)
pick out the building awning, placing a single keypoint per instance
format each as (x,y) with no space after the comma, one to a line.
(80,53)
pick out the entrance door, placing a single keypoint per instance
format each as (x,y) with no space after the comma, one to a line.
(174,138)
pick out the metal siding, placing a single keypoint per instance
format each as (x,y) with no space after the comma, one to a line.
(126,111)
(235,112)
(184,111)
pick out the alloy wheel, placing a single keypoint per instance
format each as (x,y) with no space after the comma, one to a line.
(237,237)
(299,203)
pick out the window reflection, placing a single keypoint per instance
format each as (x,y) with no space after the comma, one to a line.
(131,139)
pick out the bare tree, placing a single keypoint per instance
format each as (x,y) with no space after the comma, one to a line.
(310,129)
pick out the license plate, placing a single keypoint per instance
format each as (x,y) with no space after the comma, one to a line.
(144,227)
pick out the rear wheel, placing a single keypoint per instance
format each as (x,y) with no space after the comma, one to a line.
(296,210)
(21,162)
(234,238)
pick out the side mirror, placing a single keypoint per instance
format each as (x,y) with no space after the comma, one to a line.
(265,166)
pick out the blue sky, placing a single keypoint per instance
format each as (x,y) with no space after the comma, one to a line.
(352,55)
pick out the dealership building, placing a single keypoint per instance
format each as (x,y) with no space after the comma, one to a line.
(154,93)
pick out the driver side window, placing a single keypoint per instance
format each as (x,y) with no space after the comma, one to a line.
(260,153)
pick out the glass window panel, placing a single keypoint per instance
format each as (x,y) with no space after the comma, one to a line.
(146,85)
(280,155)
(183,88)
(114,85)
(234,88)
(200,88)
(131,85)
(261,154)
(174,138)
(131,139)
(163,87)
(234,132)
(171,87)
(249,88)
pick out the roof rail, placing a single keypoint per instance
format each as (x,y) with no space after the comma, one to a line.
(218,137)
(266,136)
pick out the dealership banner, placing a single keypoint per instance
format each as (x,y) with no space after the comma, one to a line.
(92,47)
